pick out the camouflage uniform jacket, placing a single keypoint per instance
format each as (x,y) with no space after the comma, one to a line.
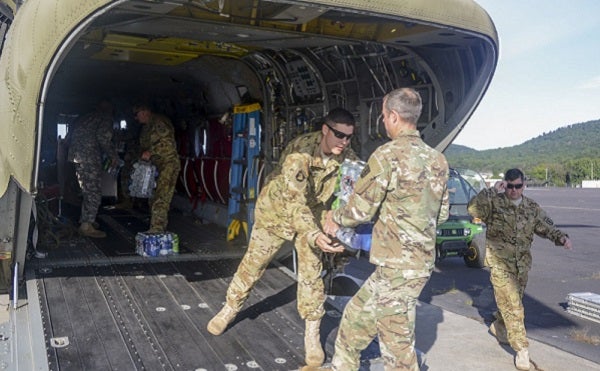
(510,228)
(300,189)
(91,138)
(404,181)
(158,137)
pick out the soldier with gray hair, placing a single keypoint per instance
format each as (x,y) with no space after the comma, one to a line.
(512,219)
(404,185)
(89,140)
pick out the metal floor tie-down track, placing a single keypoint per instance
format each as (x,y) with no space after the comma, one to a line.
(104,307)
(154,316)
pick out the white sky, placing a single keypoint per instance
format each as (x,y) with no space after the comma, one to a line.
(548,74)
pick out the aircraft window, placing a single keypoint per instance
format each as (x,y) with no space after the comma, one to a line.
(242,91)
(61,129)
(62,124)
(123,124)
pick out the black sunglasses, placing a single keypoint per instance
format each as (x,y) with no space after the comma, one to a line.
(514,186)
(338,134)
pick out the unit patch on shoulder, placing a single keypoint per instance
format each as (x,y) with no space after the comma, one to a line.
(300,176)
(548,221)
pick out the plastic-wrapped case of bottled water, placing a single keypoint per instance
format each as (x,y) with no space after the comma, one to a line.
(156,244)
(349,173)
(143,180)
(355,239)
(358,238)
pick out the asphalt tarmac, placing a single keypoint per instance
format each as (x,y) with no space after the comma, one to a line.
(556,272)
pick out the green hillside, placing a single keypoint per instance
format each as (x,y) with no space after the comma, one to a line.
(572,150)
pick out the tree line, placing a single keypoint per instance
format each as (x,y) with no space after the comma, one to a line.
(563,157)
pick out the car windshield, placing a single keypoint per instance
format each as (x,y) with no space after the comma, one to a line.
(463,184)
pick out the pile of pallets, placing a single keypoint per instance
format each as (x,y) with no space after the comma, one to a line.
(585,305)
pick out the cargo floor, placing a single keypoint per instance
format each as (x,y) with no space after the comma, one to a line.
(154,316)
(105,308)
(63,246)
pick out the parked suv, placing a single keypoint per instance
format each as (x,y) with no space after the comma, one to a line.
(461,235)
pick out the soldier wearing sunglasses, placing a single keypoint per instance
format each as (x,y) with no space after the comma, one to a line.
(290,207)
(512,219)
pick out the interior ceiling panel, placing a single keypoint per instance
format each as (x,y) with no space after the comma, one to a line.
(243,36)
(157,8)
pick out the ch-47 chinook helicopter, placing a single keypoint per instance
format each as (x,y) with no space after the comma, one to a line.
(209,65)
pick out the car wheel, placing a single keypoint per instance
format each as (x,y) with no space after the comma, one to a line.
(475,257)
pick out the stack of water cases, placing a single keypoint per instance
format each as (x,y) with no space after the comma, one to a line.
(358,238)
(156,244)
(585,305)
(143,180)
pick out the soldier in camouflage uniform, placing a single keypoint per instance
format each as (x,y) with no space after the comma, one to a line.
(512,219)
(89,140)
(404,184)
(290,207)
(157,144)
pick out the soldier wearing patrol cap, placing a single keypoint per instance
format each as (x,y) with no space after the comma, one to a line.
(290,207)
(157,143)
(512,219)
(404,184)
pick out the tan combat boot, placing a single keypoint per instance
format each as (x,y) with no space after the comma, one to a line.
(522,359)
(312,344)
(316,368)
(498,329)
(88,230)
(219,322)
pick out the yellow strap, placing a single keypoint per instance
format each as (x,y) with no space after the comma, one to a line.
(246,108)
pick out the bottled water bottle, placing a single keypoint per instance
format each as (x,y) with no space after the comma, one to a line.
(114,170)
(166,245)
(175,242)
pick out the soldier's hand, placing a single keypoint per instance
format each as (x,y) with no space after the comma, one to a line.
(500,186)
(330,228)
(326,244)
(567,243)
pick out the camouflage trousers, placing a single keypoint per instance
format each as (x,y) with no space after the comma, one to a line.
(263,246)
(89,176)
(509,288)
(385,306)
(160,202)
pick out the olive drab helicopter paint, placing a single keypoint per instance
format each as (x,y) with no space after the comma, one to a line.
(97,305)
